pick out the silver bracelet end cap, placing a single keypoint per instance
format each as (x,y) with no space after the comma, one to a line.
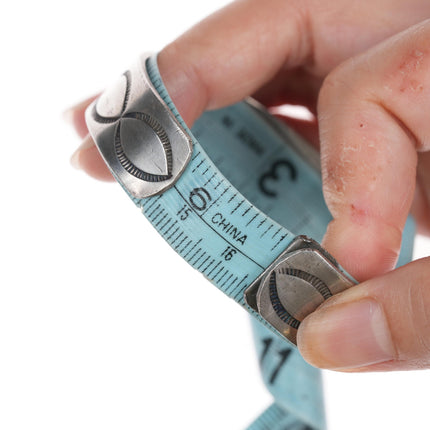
(138,136)
(295,284)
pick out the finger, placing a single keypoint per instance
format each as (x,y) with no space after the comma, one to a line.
(382,324)
(233,52)
(228,56)
(75,116)
(337,33)
(373,119)
(88,159)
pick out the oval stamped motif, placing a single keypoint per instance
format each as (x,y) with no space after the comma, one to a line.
(138,133)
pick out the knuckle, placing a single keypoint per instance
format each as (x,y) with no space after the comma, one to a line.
(347,85)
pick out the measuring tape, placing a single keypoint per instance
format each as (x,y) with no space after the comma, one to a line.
(222,196)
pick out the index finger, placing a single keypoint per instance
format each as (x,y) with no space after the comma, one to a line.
(373,117)
(224,58)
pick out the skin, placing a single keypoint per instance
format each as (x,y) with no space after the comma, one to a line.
(362,68)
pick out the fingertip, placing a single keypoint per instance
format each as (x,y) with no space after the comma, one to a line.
(75,116)
(365,250)
(183,83)
(88,159)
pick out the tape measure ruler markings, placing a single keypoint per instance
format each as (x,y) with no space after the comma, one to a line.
(179,180)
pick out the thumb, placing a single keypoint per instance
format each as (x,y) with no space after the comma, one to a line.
(381,324)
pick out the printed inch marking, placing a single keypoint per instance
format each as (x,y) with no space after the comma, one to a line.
(201,256)
(196,155)
(283,354)
(214,268)
(180,234)
(182,241)
(225,282)
(198,165)
(220,235)
(210,179)
(216,200)
(237,207)
(262,222)
(217,273)
(152,202)
(161,220)
(279,241)
(247,210)
(276,232)
(272,175)
(227,290)
(252,219)
(239,292)
(219,183)
(201,264)
(267,230)
(209,265)
(195,254)
(199,198)
(192,249)
(232,197)
(186,246)
(155,210)
(170,228)
(225,273)
(168,239)
(166,223)
(267,342)
(158,214)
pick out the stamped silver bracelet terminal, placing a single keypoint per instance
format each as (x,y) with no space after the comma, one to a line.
(295,284)
(138,136)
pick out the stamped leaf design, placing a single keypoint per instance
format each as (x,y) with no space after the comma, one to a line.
(141,144)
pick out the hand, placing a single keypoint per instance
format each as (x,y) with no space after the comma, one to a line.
(372,114)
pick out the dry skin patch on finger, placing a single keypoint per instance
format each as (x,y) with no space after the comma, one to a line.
(410,68)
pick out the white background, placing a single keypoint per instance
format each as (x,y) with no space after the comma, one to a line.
(102,326)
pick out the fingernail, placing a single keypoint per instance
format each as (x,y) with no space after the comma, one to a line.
(346,336)
(75,158)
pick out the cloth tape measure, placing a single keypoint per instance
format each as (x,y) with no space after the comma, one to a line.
(223,196)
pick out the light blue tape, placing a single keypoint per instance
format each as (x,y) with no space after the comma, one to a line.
(221,233)
(295,385)
(243,148)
